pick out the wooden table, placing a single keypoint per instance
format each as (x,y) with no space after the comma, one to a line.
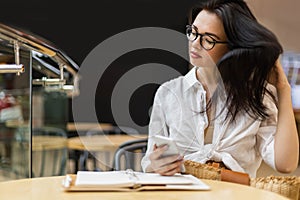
(86,126)
(43,142)
(50,188)
(71,126)
(100,142)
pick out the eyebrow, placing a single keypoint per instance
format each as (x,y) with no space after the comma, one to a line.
(207,33)
(212,34)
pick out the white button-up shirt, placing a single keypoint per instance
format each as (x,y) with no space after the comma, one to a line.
(240,145)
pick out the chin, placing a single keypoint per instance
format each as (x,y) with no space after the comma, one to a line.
(197,64)
(194,62)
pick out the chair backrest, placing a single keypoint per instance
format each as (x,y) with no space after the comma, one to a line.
(86,154)
(129,155)
(102,160)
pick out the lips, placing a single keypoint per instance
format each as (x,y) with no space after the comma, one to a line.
(194,54)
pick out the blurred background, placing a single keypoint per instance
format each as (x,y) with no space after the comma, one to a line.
(78,27)
(75,29)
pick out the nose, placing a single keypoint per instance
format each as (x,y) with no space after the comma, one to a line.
(196,43)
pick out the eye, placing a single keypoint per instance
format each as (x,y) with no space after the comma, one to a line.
(191,35)
(194,34)
(209,39)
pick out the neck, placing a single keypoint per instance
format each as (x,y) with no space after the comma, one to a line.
(208,78)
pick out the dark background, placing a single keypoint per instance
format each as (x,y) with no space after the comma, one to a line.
(76,27)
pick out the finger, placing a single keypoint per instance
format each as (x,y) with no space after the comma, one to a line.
(278,63)
(169,168)
(172,172)
(159,163)
(171,159)
(156,154)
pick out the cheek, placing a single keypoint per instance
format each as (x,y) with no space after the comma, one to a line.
(189,47)
(217,54)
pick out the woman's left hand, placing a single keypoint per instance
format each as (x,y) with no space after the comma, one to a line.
(278,77)
(286,143)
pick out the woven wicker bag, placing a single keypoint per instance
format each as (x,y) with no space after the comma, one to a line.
(288,186)
(202,171)
(215,171)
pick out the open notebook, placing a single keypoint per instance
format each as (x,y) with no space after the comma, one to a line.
(130,181)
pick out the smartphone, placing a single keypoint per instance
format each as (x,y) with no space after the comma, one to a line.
(172,150)
(161,140)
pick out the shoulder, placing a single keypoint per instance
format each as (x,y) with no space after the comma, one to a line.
(172,86)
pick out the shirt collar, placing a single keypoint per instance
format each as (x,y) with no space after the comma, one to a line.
(190,79)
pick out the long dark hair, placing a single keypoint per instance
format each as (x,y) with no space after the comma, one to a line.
(253,50)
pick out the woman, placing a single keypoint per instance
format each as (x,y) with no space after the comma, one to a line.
(234,106)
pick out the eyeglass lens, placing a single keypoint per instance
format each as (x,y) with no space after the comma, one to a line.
(205,41)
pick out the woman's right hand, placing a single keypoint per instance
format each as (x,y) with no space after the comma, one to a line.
(166,166)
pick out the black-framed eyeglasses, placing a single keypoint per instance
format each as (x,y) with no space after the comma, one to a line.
(206,41)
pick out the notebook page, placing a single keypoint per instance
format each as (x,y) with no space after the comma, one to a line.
(129,178)
(156,179)
(107,179)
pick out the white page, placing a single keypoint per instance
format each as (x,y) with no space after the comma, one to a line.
(154,178)
(130,178)
(110,178)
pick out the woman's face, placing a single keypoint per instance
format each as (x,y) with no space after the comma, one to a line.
(207,23)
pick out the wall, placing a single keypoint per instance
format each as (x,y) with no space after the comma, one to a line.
(282,17)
